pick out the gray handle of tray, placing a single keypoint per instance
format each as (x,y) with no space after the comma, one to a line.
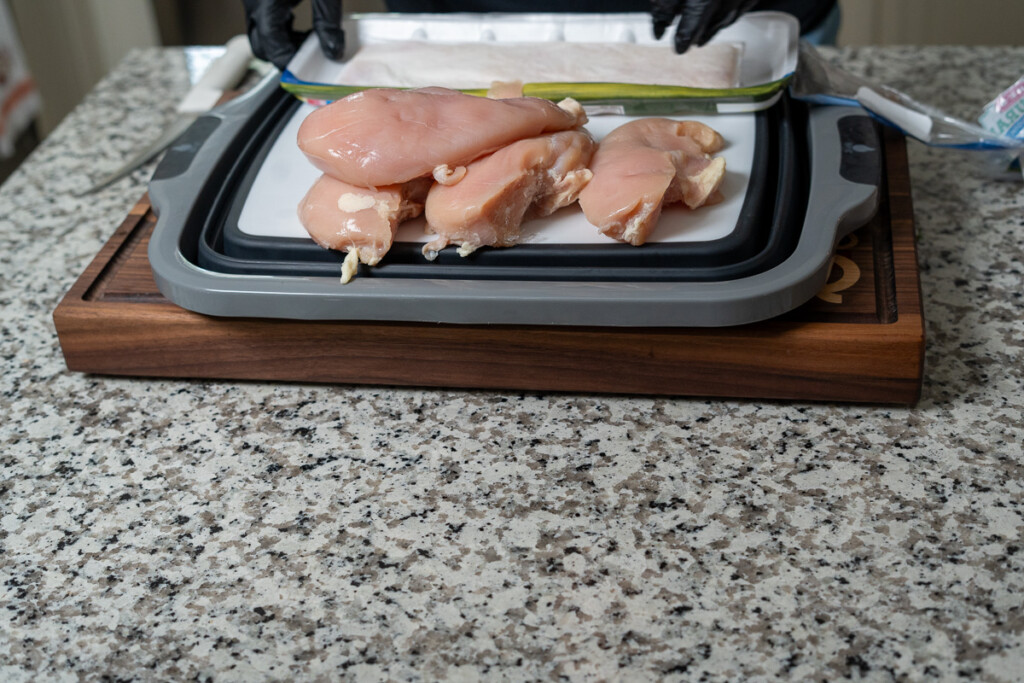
(844,193)
(177,183)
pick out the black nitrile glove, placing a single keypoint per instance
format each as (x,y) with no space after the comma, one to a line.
(269,24)
(698,19)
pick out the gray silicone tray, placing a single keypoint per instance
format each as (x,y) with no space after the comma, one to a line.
(845,171)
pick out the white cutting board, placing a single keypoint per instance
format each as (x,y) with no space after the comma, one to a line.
(270,209)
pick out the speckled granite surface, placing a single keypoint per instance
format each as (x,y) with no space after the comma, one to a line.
(238,531)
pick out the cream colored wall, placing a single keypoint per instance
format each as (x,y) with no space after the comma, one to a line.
(932,22)
(71,44)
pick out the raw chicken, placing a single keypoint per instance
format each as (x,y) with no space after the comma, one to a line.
(527,179)
(385,137)
(645,164)
(357,220)
(503,90)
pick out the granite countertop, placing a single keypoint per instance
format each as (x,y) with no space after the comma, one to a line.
(154,529)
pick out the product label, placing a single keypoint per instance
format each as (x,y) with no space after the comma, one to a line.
(1005,114)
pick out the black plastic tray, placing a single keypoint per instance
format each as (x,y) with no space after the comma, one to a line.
(765,234)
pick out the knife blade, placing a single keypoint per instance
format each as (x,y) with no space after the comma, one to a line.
(223,73)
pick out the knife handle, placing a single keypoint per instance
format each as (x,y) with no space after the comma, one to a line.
(225,72)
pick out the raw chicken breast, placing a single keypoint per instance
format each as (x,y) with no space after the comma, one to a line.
(385,137)
(357,220)
(527,179)
(644,165)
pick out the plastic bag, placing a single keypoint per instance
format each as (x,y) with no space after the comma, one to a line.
(818,81)
(1005,114)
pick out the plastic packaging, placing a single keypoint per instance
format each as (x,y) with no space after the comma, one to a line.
(818,81)
(1005,116)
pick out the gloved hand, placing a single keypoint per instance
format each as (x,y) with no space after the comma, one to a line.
(269,25)
(698,19)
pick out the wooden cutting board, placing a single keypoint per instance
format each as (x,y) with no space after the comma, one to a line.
(861,339)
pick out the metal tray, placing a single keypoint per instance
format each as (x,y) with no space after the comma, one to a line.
(766,42)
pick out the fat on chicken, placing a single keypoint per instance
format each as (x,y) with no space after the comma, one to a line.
(384,137)
(358,220)
(646,164)
(527,179)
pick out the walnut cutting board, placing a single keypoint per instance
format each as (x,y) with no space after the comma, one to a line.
(860,340)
